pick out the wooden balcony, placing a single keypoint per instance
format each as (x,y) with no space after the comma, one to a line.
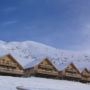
(72,75)
(47,66)
(85,79)
(7,64)
(8,71)
(85,75)
(47,72)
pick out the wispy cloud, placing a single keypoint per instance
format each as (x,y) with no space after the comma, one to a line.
(83,42)
(86,30)
(8,9)
(9,22)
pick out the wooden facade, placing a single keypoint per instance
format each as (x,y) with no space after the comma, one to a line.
(9,66)
(44,68)
(85,75)
(47,69)
(70,72)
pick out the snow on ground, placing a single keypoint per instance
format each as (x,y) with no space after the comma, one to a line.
(33,83)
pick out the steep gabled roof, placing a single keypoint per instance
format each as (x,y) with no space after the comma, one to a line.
(79,66)
(15,61)
(37,62)
(61,66)
(21,61)
(73,65)
(50,62)
(85,69)
(28,63)
(32,64)
(10,56)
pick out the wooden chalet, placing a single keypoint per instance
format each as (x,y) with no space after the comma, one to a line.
(9,66)
(85,75)
(70,72)
(43,68)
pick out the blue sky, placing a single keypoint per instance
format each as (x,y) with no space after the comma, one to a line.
(63,24)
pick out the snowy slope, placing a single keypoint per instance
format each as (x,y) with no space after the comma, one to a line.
(28,51)
(32,83)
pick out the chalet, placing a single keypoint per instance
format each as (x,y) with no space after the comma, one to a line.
(17,66)
(70,72)
(43,68)
(10,66)
(85,75)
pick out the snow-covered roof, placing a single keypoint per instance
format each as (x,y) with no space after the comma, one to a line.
(58,67)
(32,64)
(22,61)
(29,52)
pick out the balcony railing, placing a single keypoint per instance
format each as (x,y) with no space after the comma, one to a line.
(87,79)
(47,66)
(47,72)
(86,75)
(4,70)
(72,75)
(7,64)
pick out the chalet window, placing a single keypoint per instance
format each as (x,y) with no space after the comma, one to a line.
(43,64)
(2,66)
(3,61)
(69,71)
(7,67)
(13,67)
(0,61)
(43,68)
(7,62)
(85,76)
(46,65)
(70,68)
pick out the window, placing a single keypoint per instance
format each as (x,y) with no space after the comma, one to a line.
(44,68)
(7,62)
(69,71)
(85,76)
(7,67)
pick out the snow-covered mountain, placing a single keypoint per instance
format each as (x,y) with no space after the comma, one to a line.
(28,51)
